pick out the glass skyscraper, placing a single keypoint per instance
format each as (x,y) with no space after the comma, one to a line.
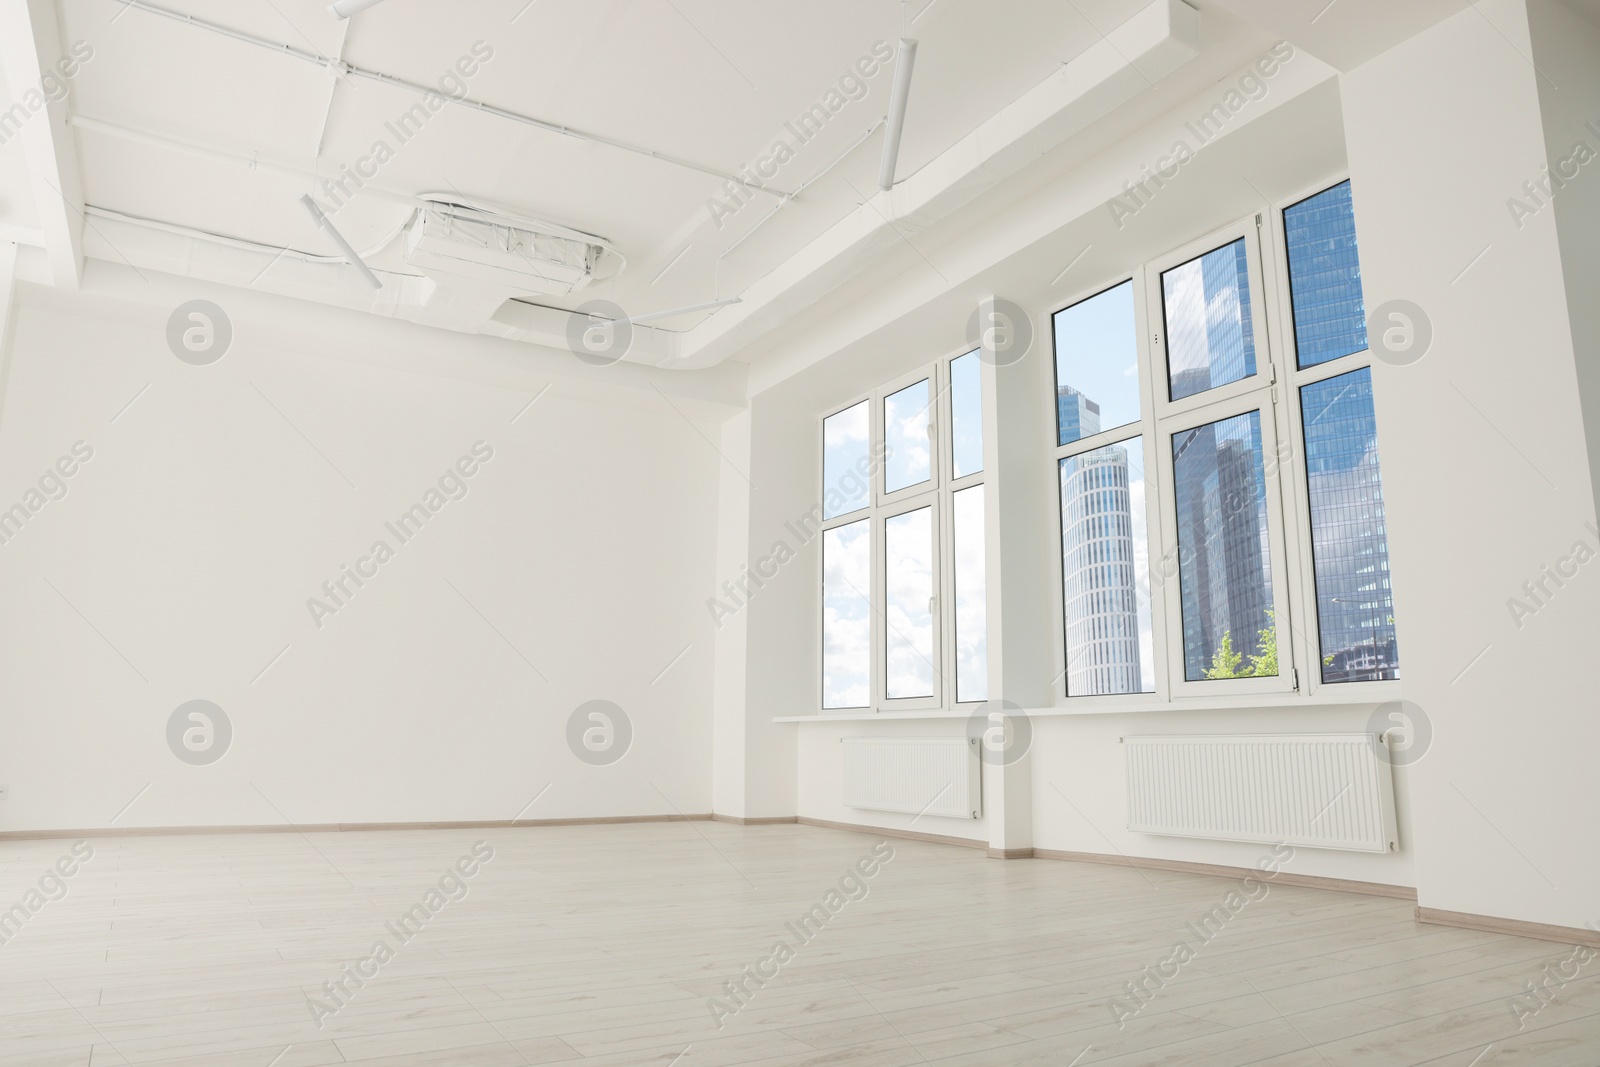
(1349,541)
(1210,334)
(1100,589)
(1330,318)
(1225,575)
(1077,416)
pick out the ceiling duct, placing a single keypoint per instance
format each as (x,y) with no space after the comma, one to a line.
(483,245)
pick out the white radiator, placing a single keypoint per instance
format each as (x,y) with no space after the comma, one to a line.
(1315,790)
(921,775)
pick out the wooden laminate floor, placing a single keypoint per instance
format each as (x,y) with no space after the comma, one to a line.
(605,946)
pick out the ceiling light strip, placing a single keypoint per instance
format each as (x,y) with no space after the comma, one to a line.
(899,94)
(340,68)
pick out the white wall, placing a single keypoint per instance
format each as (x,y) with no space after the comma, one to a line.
(1488,468)
(730,787)
(180,562)
(1489,479)
(1070,793)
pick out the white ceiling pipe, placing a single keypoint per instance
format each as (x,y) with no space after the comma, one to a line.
(672,312)
(338,238)
(903,63)
(346,70)
(343,9)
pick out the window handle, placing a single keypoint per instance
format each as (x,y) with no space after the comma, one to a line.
(933,605)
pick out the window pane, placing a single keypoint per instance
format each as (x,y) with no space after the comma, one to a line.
(846,615)
(1210,333)
(1097,365)
(966,415)
(1224,567)
(1349,543)
(1330,317)
(845,461)
(972,627)
(905,431)
(1105,569)
(908,566)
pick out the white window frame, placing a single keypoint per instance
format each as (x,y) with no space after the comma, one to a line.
(822,453)
(936,492)
(1294,379)
(1180,685)
(937,385)
(865,513)
(1143,428)
(1274,390)
(945,457)
(1255,392)
(880,614)
(1246,230)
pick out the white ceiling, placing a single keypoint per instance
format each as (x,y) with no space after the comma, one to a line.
(712,82)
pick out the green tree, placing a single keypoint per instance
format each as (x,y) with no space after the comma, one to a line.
(1265,665)
(1225,661)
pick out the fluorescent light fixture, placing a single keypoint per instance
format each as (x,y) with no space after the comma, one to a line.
(338,238)
(896,122)
(343,9)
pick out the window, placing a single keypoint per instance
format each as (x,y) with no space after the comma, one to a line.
(1105,580)
(906,421)
(971,596)
(846,615)
(845,461)
(1219,498)
(1200,556)
(896,553)
(966,415)
(1347,540)
(1224,562)
(1210,331)
(1349,546)
(1330,318)
(909,603)
(1105,559)
(1097,365)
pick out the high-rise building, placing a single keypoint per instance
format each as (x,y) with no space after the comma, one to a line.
(1099,585)
(1210,339)
(1077,416)
(1226,582)
(1349,539)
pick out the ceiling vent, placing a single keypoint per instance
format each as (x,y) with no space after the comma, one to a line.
(487,246)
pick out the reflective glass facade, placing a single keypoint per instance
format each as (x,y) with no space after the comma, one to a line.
(1350,547)
(1330,316)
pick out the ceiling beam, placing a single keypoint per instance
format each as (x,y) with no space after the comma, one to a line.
(30,47)
(1345,33)
(1161,37)
(20,235)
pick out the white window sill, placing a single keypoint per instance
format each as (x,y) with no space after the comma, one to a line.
(1364,694)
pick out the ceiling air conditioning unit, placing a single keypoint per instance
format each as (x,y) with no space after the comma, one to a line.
(487,246)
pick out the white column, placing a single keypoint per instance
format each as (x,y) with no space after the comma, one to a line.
(1486,468)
